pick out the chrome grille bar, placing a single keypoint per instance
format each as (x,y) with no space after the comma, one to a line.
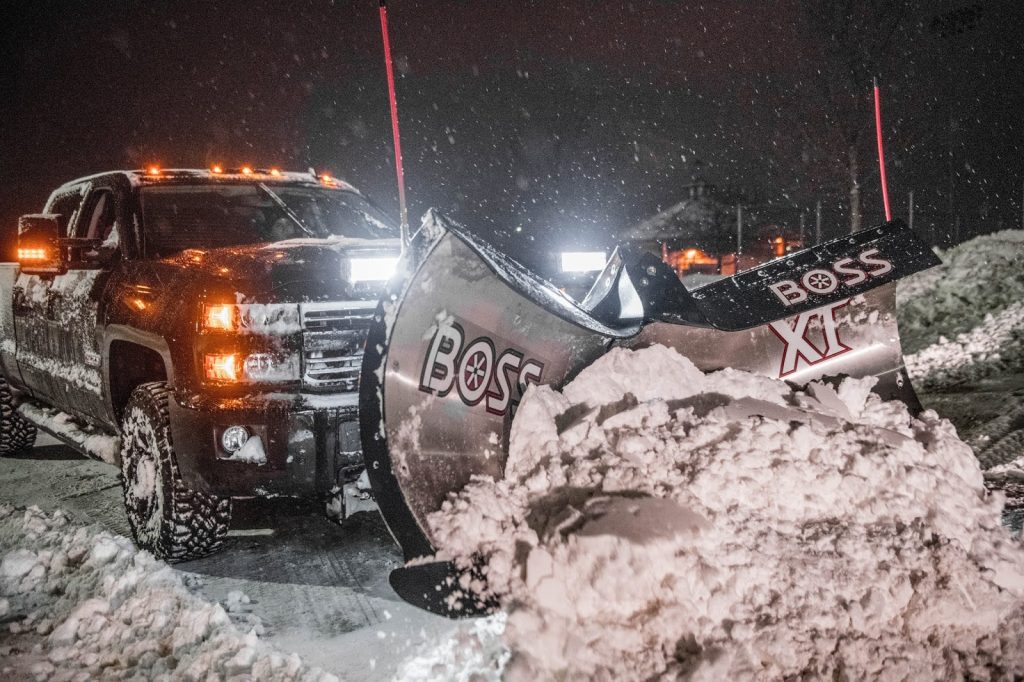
(329,359)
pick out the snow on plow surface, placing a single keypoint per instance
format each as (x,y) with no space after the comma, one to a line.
(654,520)
(84,604)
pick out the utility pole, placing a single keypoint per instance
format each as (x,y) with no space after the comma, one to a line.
(817,223)
(739,229)
(910,209)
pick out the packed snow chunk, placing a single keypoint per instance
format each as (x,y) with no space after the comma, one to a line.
(654,521)
(79,603)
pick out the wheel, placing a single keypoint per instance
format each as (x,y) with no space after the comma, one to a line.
(16,432)
(167,518)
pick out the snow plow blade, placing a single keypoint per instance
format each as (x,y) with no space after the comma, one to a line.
(464,329)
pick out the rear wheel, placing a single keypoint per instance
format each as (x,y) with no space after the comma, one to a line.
(16,432)
(167,518)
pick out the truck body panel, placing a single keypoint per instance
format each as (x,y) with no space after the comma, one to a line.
(129,309)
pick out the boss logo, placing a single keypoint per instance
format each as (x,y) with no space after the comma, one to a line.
(801,349)
(476,371)
(847,272)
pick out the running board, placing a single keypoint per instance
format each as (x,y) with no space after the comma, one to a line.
(88,440)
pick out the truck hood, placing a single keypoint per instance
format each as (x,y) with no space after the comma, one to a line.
(294,270)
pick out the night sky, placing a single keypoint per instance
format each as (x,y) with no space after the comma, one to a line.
(567,120)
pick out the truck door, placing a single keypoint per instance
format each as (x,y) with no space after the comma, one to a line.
(75,302)
(32,305)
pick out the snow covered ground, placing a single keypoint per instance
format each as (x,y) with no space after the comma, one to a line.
(306,585)
(651,520)
(84,602)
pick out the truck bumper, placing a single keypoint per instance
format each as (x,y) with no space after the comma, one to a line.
(311,443)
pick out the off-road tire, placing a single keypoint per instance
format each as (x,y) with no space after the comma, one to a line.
(16,432)
(167,518)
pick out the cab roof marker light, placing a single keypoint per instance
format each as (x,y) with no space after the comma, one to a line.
(153,170)
(246,170)
(217,169)
(275,172)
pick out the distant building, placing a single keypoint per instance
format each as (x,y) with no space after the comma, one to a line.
(700,221)
(698,234)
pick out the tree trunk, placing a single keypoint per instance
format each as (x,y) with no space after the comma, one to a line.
(855,216)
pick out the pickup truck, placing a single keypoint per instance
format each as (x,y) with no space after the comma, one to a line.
(201,329)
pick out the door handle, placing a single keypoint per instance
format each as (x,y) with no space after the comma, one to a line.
(18,305)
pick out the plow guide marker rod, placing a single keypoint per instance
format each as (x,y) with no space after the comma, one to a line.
(881,152)
(393,100)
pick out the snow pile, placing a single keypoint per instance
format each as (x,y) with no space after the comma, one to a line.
(997,344)
(474,652)
(84,603)
(655,520)
(974,299)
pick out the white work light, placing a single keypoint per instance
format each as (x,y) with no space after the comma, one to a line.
(583,261)
(377,269)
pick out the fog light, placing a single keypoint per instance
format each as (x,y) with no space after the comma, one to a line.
(234,438)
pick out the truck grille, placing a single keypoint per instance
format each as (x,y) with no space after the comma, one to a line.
(333,338)
(333,316)
(334,369)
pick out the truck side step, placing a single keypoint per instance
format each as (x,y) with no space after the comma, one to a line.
(88,440)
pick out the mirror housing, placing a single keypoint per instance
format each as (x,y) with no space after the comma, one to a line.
(39,248)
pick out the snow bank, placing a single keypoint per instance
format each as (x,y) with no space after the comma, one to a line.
(655,520)
(83,603)
(964,320)
(995,345)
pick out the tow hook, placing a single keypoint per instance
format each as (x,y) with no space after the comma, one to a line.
(351,498)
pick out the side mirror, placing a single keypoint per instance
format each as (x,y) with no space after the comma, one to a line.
(39,247)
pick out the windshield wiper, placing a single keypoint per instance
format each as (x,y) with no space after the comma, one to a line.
(287,211)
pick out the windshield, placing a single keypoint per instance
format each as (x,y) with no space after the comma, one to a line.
(178,217)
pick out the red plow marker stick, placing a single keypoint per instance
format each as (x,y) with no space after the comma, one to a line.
(881,153)
(403,212)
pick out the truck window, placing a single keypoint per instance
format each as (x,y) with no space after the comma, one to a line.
(99,223)
(66,206)
(178,217)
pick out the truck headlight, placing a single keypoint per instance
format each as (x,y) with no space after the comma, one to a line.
(223,317)
(277,319)
(234,368)
(583,261)
(377,269)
